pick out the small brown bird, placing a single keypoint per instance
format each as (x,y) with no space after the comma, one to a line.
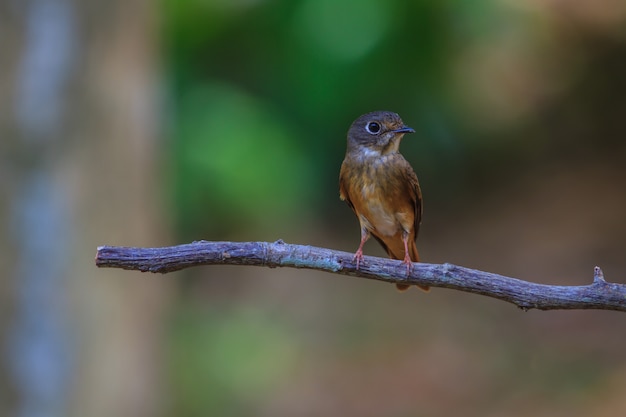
(381,187)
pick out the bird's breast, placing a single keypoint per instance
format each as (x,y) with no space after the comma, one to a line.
(377,214)
(381,197)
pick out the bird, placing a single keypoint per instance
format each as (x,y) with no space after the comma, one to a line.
(381,187)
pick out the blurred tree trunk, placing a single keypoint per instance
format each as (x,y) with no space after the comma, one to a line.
(80,168)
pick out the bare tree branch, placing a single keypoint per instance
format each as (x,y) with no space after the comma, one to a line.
(526,295)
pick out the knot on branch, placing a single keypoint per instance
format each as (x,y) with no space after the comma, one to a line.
(598,276)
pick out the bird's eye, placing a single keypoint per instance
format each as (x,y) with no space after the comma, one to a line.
(372,128)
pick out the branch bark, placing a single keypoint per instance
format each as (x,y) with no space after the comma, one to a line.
(526,295)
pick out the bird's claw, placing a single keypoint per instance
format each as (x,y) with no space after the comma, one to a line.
(358,257)
(408,263)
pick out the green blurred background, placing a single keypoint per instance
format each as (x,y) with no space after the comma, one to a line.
(154,123)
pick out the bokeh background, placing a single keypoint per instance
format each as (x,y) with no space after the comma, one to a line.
(155,123)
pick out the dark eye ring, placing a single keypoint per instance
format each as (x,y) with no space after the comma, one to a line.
(373,128)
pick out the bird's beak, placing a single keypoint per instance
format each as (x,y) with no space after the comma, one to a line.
(404,129)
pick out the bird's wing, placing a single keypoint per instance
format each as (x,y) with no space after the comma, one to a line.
(343,188)
(416,195)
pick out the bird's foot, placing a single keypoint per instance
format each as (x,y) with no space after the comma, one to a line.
(409,267)
(408,263)
(358,257)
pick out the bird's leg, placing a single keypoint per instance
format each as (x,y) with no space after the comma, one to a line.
(358,256)
(407,258)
